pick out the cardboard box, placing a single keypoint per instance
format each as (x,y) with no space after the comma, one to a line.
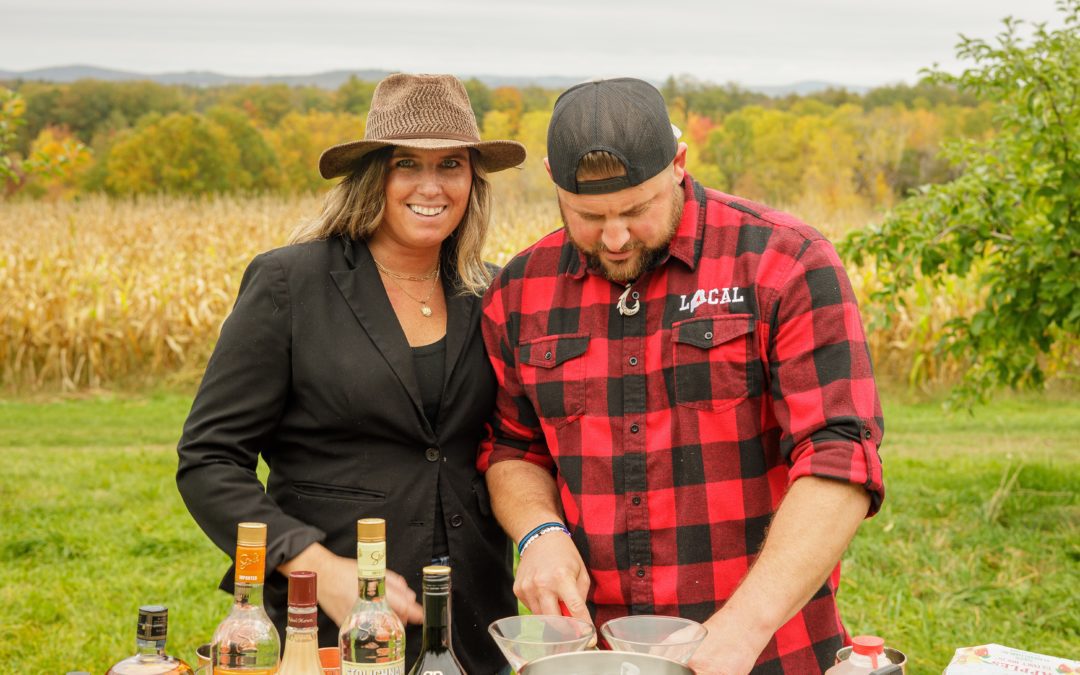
(997,660)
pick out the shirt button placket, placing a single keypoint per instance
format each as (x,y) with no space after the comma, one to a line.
(634,451)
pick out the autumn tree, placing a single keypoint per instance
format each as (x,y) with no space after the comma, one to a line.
(43,160)
(299,139)
(1010,217)
(260,169)
(180,153)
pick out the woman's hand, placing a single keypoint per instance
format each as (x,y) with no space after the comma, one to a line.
(402,599)
(337,586)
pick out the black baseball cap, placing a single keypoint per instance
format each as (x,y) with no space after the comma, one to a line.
(626,117)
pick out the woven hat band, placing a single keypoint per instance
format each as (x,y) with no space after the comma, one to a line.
(416,122)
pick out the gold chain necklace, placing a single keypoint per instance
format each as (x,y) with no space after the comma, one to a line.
(408,277)
(434,276)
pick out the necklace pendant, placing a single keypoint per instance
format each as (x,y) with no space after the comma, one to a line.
(425,310)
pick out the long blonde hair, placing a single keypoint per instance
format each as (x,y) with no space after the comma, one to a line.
(354,208)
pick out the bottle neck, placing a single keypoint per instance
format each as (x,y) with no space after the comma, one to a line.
(371,570)
(877,660)
(373,588)
(436,620)
(248,594)
(303,619)
(250,574)
(145,647)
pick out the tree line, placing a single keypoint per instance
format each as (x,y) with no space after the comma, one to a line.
(840,147)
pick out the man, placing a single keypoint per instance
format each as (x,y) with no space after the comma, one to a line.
(685,389)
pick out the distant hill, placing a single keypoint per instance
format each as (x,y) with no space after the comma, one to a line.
(335,78)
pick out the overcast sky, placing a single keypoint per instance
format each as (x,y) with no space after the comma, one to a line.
(754,42)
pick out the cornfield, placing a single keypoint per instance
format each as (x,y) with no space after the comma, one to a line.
(102,294)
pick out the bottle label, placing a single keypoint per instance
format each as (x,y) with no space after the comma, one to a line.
(250,564)
(371,559)
(387,668)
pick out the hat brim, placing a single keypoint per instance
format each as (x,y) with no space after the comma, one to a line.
(494,155)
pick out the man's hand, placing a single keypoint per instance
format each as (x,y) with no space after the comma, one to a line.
(551,570)
(728,649)
(337,587)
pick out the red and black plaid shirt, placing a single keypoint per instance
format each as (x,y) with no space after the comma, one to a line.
(675,432)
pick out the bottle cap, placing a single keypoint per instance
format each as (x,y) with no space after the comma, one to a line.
(302,589)
(867,644)
(371,529)
(153,622)
(251,534)
(437,571)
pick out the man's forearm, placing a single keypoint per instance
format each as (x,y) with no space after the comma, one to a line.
(808,535)
(523,495)
(811,529)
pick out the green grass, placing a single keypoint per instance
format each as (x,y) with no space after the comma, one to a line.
(978,540)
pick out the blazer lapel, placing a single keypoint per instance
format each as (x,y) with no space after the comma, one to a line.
(459,325)
(364,292)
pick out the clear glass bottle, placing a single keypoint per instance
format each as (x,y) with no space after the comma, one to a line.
(150,657)
(372,639)
(301,655)
(246,641)
(437,654)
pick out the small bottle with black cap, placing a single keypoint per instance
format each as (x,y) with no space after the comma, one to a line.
(436,653)
(150,657)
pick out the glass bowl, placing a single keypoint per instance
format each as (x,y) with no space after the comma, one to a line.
(526,638)
(669,636)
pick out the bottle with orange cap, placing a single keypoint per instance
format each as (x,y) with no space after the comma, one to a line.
(246,641)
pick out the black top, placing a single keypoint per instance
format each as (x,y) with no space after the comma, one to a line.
(313,373)
(429,362)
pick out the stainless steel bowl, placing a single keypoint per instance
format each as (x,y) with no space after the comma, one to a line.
(604,663)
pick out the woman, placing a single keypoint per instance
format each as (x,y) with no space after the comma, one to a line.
(353,362)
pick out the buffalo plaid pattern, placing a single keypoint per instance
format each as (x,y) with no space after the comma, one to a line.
(674,432)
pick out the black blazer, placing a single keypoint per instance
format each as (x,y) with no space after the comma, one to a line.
(313,372)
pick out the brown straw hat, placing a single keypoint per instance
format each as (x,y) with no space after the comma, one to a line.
(420,111)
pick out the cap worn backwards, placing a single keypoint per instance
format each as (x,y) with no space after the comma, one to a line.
(625,117)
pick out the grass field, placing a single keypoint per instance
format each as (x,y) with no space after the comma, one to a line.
(979,539)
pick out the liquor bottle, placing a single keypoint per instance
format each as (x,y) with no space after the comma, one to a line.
(302,634)
(372,639)
(436,654)
(150,657)
(246,641)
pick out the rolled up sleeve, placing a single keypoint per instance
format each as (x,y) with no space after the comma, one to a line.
(823,388)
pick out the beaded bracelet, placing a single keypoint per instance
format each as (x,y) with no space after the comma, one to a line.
(539,531)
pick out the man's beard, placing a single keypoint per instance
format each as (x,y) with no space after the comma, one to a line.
(628,270)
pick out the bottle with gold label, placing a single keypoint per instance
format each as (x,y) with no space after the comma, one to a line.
(372,638)
(247,642)
(437,654)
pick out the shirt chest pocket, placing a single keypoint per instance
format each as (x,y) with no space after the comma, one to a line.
(553,374)
(715,361)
